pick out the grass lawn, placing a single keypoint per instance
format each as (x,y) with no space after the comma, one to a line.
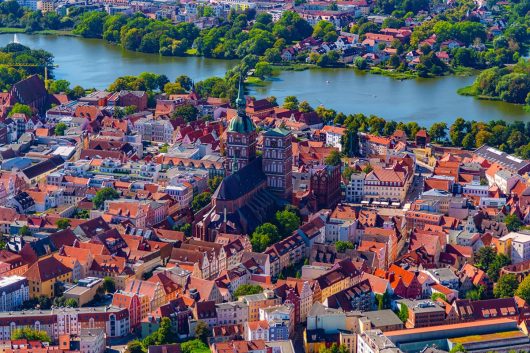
(393,74)
(467,91)
(464,71)
(4,30)
(255,81)
(295,67)
(11,30)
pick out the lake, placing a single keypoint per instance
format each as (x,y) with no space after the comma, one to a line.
(95,63)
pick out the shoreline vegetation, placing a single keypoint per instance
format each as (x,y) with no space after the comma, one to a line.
(509,137)
(54,32)
(451,42)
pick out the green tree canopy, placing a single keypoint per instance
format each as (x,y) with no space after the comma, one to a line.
(30,334)
(103,195)
(342,246)
(60,128)
(506,286)
(109,285)
(287,222)
(333,158)
(21,109)
(523,290)
(247,289)
(263,236)
(63,223)
(201,200)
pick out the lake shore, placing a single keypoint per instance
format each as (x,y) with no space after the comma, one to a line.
(96,63)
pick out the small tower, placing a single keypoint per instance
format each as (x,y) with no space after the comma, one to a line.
(241,136)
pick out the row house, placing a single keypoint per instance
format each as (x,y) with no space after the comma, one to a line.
(374,145)
(281,319)
(301,293)
(286,252)
(403,282)
(70,321)
(127,210)
(156,130)
(358,297)
(334,136)
(233,279)
(232,313)
(131,302)
(15,291)
(257,301)
(343,275)
(196,262)
(151,294)
(388,183)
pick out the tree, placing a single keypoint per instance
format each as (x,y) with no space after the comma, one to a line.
(403,313)
(30,335)
(335,348)
(187,111)
(333,158)
(287,222)
(476,293)
(291,103)
(383,301)
(109,285)
(437,131)
(326,31)
(184,228)
(263,69)
(90,24)
(513,223)
(348,172)
(342,246)
(304,107)
(247,289)
(201,200)
(360,63)
(458,348)
(506,286)
(213,183)
(485,257)
(60,128)
(456,132)
(194,346)
(483,137)
(77,92)
(173,88)
(523,290)
(71,303)
(437,295)
(21,109)
(63,223)
(494,269)
(202,331)
(134,346)
(103,195)
(263,236)
(24,230)
(59,86)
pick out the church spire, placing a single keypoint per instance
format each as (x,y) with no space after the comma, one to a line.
(241,104)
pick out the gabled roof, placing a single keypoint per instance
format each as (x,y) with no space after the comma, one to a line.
(45,269)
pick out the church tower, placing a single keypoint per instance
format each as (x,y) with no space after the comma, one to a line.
(241,137)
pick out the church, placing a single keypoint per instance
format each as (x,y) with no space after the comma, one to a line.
(256,185)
